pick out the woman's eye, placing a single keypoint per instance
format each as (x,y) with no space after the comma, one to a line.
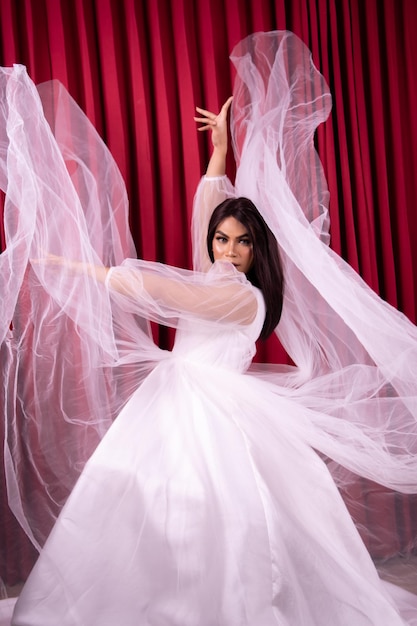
(221,239)
(245,242)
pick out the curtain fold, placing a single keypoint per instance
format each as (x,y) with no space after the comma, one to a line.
(138,68)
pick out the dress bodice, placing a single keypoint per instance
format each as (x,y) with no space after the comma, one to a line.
(226,347)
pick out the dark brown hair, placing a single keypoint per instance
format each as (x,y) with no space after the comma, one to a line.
(266,271)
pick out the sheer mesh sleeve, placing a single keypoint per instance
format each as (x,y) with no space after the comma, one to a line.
(167,295)
(210,192)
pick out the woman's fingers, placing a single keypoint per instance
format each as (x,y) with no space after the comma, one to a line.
(49,259)
(205,120)
(209,118)
(209,122)
(226,105)
(207,114)
(207,127)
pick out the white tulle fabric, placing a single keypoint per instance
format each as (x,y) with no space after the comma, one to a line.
(207,501)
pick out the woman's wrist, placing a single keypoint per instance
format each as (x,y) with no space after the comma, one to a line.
(217,163)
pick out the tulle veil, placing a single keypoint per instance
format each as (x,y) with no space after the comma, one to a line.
(70,361)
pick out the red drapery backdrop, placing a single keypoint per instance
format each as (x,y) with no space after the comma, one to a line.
(139,67)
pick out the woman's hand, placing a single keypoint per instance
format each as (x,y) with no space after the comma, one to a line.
(75,267)
(218,126)
(216,123)
(53,260)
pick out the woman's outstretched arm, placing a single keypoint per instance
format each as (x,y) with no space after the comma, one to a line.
(160,292)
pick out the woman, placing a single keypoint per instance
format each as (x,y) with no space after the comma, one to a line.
(178,554)
(206,501)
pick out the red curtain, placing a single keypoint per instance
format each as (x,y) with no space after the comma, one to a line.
(139,67)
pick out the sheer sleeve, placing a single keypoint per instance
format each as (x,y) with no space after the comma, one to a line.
(168,295)
(210,192)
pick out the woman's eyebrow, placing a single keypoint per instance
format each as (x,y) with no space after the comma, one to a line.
(220,232)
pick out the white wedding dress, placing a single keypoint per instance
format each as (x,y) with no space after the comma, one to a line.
(205,504)
(212,497)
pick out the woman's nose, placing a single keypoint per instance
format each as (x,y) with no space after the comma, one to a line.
(231,249)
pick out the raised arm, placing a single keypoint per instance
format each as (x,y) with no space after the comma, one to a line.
(214,187)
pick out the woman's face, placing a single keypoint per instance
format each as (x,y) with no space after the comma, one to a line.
(232,242)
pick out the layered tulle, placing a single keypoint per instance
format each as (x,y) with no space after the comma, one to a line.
(355,354)
(64,195)
(195,509)
(77,349)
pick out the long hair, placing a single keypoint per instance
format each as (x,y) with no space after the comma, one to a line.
(266,272)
